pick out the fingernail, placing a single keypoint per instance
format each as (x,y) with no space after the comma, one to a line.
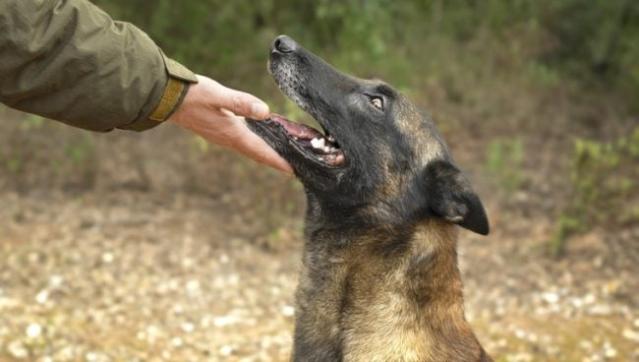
(259,109)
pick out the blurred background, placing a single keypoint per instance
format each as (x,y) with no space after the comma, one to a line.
(159,246)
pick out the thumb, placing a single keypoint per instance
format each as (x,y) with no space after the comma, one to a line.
(242,104)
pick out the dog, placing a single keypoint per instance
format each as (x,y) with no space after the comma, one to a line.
(380,280)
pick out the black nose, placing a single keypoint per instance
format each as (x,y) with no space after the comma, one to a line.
(284,44)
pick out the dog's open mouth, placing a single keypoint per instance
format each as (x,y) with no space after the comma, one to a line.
(311,143)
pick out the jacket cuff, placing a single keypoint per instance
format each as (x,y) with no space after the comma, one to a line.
(177,70)
(174,92)
(178,81)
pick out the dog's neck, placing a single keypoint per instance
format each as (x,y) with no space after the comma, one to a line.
(383,292)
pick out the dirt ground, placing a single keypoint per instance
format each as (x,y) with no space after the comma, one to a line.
(138,276)
(115,249)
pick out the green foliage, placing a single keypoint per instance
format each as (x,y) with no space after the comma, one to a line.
(462,50)
(566,226)
(13,164)
(31,122)
(504,161)
(605,186)
(587,40)
(81,151)
(597,40)
(544,74)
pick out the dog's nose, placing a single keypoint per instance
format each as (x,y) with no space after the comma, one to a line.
(284,44)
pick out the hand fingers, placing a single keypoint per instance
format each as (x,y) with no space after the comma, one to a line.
(256,148)
(241,103)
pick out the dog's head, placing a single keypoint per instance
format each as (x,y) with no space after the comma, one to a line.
(378,156)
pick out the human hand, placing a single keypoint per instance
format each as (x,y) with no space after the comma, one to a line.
(216,113)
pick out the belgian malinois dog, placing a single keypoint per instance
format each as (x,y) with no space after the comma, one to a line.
(380,280)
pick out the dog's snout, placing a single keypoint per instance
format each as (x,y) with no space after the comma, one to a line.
(284,44)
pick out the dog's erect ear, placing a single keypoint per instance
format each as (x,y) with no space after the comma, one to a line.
(450,196)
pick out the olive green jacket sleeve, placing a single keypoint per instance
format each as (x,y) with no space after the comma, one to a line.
(68,60)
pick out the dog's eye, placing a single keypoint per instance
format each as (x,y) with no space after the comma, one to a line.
(378,103)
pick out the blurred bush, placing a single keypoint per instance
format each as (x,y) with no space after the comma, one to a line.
(605,187)
(509,82)
(504,160)
(593,41)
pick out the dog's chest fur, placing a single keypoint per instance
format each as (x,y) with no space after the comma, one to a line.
(381,298)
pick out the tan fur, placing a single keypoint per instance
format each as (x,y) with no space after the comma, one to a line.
(386,319)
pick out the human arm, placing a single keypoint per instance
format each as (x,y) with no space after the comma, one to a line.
(68,60)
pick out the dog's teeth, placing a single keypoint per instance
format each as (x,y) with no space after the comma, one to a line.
(317,143)
(327,149)
(331,139)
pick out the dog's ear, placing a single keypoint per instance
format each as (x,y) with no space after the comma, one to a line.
(449,195)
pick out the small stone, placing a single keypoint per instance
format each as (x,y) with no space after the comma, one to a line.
(226,350)
(609,351)
(55,281)
(152,333)
(107,258)
(193,286)
(631,335)
(6,303)
(224,321)
(589,298)
(550,297)
(188,263)
(34,257)
(33,330)
(176,342)
(42,296)
(17,350)
(586,345)
(520,333)
(188,327)
(288,311)
(95,357)
(601,309)
(178,309)
(66,353)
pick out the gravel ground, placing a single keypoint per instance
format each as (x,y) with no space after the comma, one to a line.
(134,276)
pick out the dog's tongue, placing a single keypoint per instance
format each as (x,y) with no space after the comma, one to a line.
(298,130)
